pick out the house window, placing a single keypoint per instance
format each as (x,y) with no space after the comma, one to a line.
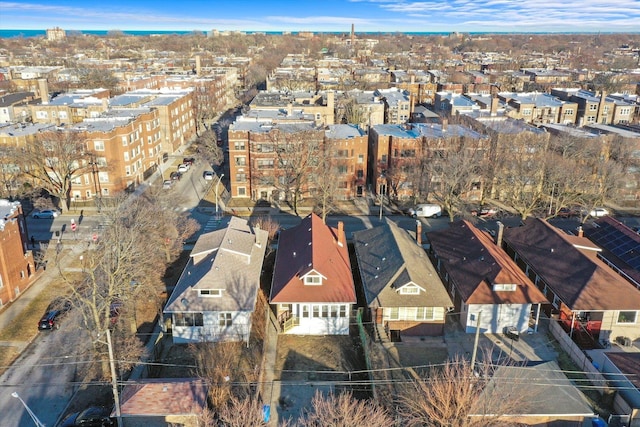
(305,311)
(325,311)
(392,313)
(224,319)
(334,311)
(312,280)
(210,292)
(593,107)
(409,290)
(241,161)
(627,316)
(343,311)
(568,112)
(556,301)
(316,310)
(98,145)
(188,319)
(242,191)
(239,145)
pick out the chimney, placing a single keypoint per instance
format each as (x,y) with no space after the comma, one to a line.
(353,31)
(499,234)
(341,236)
(495,101)
(43,88)
(419,232)
(580,232)
(445,123)
(198,65)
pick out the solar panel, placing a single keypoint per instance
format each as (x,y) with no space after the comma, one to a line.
(615,239)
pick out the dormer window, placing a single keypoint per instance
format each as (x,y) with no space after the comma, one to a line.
(215,293)
(313,280)
(505,287)
(409,290)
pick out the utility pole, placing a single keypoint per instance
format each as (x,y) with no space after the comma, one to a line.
(475,343)
(114,379)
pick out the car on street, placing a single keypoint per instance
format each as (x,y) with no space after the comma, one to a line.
(485,212)
(93,416)
(426,210)
(183,168)
(167,184)
(188,161)
(208,175)
(175,176)
(598,212)
(45,214)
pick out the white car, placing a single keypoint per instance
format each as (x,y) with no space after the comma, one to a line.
(183,168)
(45,214)
(167,184)
(598,212)
(208,175)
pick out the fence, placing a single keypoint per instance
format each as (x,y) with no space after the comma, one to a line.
(579,357)
(366,342)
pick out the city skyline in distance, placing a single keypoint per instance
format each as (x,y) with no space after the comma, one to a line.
(493,16)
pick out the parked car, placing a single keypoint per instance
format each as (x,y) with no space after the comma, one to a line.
(598,212)
(426,210)
(93,416)
(208,175)
(485,212)
(167,184)
(45,214)
(188,161)
(50,320)
(183,168)
(175,176)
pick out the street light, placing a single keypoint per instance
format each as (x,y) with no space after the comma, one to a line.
(29,411)
(219,180)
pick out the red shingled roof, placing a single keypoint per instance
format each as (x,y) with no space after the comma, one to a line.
(312,245)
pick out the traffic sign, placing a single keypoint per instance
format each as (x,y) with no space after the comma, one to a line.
(73,226)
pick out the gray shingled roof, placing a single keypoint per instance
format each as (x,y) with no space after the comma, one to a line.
(389,258)
(229,259)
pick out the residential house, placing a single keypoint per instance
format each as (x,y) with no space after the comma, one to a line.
(71,108)
(622,370)
(312,289)
(488,289)
(402,290)
(450,103)
(216,294)
(590,300)
(17,266)
(539,394)
(9,101)
(367,109)
(162,402)
(620,247)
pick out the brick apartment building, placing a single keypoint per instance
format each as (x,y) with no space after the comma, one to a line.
(16,260)
(261,155)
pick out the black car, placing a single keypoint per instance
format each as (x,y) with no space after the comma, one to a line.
(175,176)
(49,320)
(93,416)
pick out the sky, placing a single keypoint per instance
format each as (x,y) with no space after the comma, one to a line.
(326,15)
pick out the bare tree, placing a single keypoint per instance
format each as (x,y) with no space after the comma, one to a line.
(452,396)
(207,103)
(519,178)
(453,167)
(343,410)
(55,159)
(208,149)
(297,150)
(124,265)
